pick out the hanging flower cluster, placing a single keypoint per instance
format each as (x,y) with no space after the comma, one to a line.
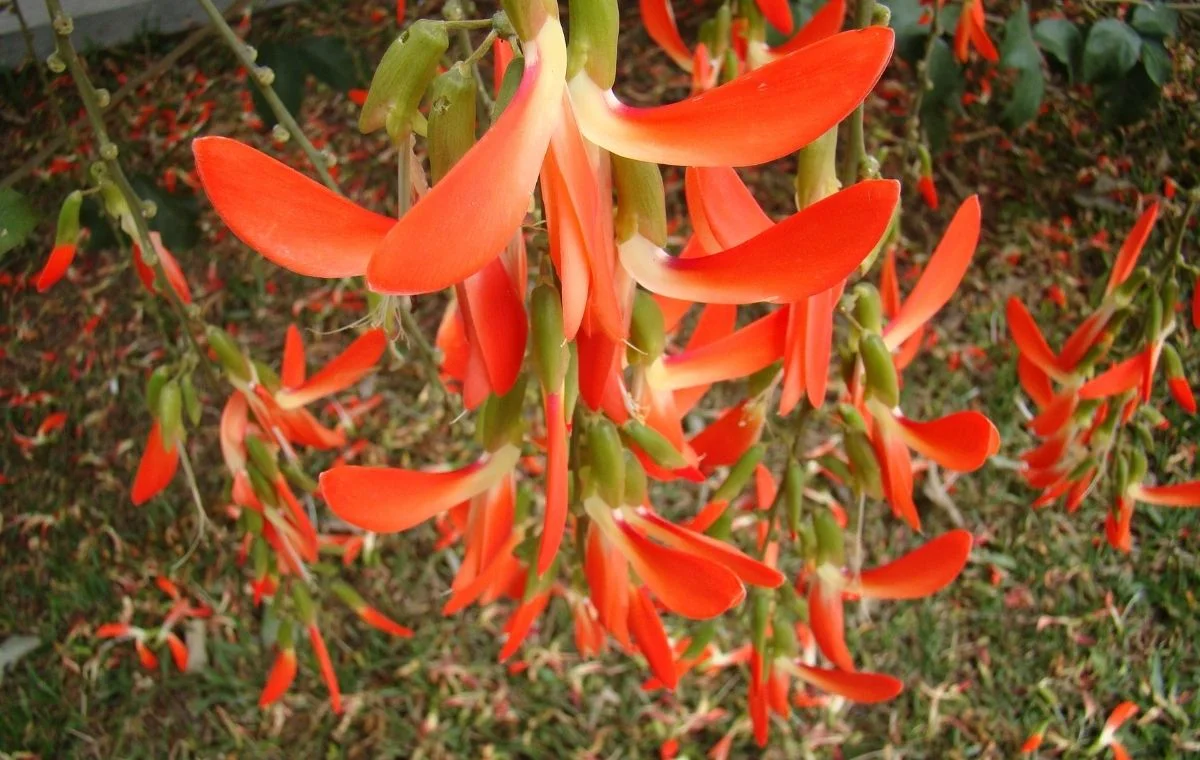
(1095,412)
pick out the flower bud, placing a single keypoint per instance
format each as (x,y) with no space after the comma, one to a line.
(762,379)
(263,488)
(1083,468)
(1171,361)
(701,638)
(793,485)
(154,386)
(1123,295)
(635,480)
(740,474)
(260,552)
(1170,299)
(550,353)
(500,419)
(262,457)
(228,353)
(298,477)
(267,377)
(402,77)
(1154,318)
(191,399)
(864,464)
(1137,467)
(571,386)
(605,454)
(641,203)
(170,413)
(868,308)
(508,86)
(593,43)
(654,444)
(882,382)
(831,548)
(835,466)
(647,334)
(348,595)
(723,24)
(760,618)
(816,170)
(305,608)
(783,640)
(451,119)
(68,219)
(851,418)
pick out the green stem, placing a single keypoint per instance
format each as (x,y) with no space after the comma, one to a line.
(41,70)
(856,151)
(108,152)
(282,114)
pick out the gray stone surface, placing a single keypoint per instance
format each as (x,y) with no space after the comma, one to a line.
(100,23)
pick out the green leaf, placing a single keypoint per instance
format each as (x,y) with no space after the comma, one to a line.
(17,219)
(1157,61)
(286,61)
(330,60)
(1018,50)
(175,215)
(910,32)
(947,79)
(1156,20)
(1062,40)
(1111,50)
(1129,99)
(1026,98)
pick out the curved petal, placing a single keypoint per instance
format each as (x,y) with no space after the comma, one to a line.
(156,469)
(794,99)
(941,276)
(1056,415)
(1121,377)
(746,568)
(279,680)
(494,314)
(892,454)
(467,218)
(808,252)
(344,370)
(293,371)
(290,219)
(1082,340)
(920,573)
(688,585)
(326,666)
(778,13)
(723,211)
(521,623)
(233,432)
(716,321)
(1131,249)
(867,688)
(56,266)
(659,20)
(1175,495)
(742,353)
(651,639)
(824,23)
(1029,339)
(962,441)
(825,618)
(729,436)
(389,500)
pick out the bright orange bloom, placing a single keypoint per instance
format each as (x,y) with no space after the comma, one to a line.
(972,31)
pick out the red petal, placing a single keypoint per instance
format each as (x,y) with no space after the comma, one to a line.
(889,284)
(287,217)
(56,266)
(647,630)
(599,358)
(327,673)
(279,680)
(920,573)
(795,100)
(293,372)
(746,351)
(725,440)
(724,213)
(171,268)
(606,570)
(818,342)
(824,23)
(893,455)
(867,688)
(557,477)
(716,321)
(1118,716)
(145,656)
(467,218)
(962,441)
(179,652)
(659,20)
(686,584)
(344,370)
(522,622)
(1082,339)
(495,315)
(1029,339)
(749,570)
(778,13)
(808,252)
(941,276)
(1055,416)
(1176,495)
(377,619)
(1127,257)
(156,469)
(388,500)
(1182,393)
(1117,379)
(1035,382)
(825,619)
(501,566)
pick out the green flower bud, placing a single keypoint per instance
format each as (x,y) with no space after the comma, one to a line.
(868,308)
(882,382)
(793,485)
(402,77)
(451,119)
(740,474)
(305,608)
(864,464)
(170,413)
(647,335)
(641,202)
(158,379)
(635,480)
(262,457)
(550,353)
(831,548)
(68,219)
(605,454)
(191,399)
(228,353)
(593,45)
(654,444)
